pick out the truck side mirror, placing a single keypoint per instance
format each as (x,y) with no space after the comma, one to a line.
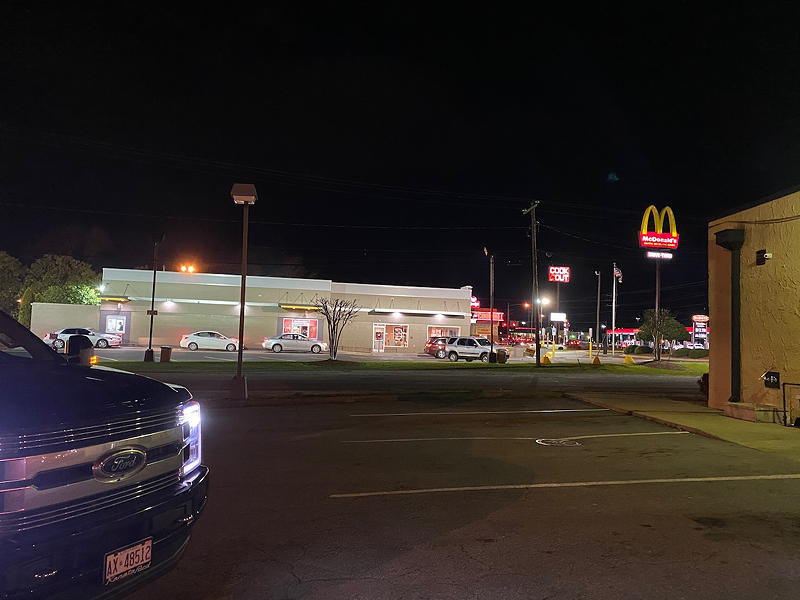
(79,350)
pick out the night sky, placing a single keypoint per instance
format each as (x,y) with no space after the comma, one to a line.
(391,143)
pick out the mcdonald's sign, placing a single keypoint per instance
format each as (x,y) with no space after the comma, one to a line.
(656,238)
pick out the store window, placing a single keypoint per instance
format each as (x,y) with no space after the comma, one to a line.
(115,324)
(396,336)
(439,331)
(306,327)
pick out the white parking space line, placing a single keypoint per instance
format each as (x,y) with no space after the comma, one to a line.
(483,412)
(449,439)
(219,358)
(439,439)
(605,435)
(569,484)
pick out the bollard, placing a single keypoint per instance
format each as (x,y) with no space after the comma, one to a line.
(166,354)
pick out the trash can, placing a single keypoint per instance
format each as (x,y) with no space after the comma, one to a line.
(166,354)
(502,356)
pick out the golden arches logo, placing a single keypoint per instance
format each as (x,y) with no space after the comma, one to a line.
(657,238)
(658,219)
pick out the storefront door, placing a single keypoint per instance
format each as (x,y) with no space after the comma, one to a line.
(378,337)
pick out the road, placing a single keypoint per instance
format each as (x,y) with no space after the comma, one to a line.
(451,496)
(129,353)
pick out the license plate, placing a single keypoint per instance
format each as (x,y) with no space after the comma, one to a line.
(127,561)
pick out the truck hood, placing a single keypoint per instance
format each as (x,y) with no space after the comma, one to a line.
(40,395)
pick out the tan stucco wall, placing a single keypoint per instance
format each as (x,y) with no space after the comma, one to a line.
(46,318)
(179,311)
(770,298)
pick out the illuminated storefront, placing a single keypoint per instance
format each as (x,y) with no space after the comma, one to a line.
(390,318)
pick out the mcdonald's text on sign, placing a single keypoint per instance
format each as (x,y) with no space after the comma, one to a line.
(558,274)
(657,237)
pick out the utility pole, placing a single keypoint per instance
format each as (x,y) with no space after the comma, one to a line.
(597,319)
(531,210)
(491,301)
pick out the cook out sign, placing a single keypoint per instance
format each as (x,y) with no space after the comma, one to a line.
(558,274)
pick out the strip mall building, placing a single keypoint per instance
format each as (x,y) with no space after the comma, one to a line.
(754,302)
(391,318)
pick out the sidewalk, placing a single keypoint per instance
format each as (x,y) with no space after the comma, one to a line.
(699,419)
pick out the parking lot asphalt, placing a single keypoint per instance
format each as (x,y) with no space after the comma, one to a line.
(462,496)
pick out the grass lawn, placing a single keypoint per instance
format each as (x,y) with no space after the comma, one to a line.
(690,368)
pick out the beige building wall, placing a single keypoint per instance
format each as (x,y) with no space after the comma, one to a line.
(47,318)
(770,300)
(203,301)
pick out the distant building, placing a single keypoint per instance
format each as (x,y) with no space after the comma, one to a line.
(391,319)
(754,302)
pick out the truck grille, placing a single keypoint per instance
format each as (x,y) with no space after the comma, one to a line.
(62,512)
(126,426)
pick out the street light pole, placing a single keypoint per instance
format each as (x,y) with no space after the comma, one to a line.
(244,194)
(531,210)
(148,354)
(491,302)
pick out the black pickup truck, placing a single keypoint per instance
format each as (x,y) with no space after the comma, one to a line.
(101,476)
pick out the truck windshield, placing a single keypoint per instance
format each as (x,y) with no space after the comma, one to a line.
(18,343)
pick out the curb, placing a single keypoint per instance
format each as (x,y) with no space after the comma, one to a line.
(647,417)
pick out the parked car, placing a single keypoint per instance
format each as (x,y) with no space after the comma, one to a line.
(468,348)
(102,476)
(58,339)
(209,340)
(293,342)
(435,346)
(689,346)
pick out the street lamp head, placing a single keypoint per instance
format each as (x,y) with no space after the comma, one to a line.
(543,301)
(244,193)
(526,305)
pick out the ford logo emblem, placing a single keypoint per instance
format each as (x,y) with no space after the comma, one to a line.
(119,464)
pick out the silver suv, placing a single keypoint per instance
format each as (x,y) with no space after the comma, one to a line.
(468,348)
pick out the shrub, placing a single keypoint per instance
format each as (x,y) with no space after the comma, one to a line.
(681,353)
(698,353)
(643,350)
(630,349)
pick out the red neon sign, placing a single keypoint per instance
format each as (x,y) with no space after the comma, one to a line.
(652,239)
(486,315)
(558,274)
(657,238)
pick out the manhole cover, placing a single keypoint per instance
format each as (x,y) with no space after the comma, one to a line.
(544,442)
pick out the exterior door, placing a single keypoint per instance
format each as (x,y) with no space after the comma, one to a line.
(378,337)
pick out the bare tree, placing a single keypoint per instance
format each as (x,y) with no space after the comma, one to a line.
(338,313)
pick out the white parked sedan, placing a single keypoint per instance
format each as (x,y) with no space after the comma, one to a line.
(293,341)
(58,339)
(209,340)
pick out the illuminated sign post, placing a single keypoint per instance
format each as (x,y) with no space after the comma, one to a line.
(657,238)
(657,241)
(558,275)
(699,329)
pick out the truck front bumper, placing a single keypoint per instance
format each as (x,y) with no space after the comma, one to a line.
(66,562)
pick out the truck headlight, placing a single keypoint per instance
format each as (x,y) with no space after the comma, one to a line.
(190,422)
